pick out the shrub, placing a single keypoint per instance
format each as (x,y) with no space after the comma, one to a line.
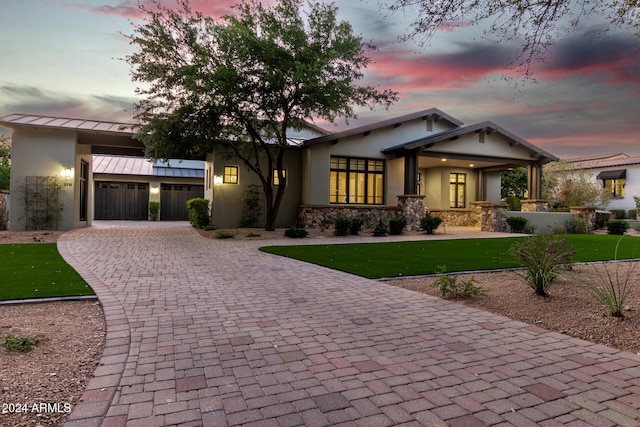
(612,290)
(618,213)
(617,226)
(4,217)
(633,213)
(517,223)
(577,225)
(209,227)
(154,209)
(429,223)
(355,226)
(601,219)
(222,234)
(397,225)
(543,256)
(513,203)
(296,232)
(380,230)
(250,206)
(450,287)
(342,226)
(21,344)
(198,210)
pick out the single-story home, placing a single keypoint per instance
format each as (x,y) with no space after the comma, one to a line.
(426,159)
(619,173)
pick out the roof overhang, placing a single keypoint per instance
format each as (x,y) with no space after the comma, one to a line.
(614,174)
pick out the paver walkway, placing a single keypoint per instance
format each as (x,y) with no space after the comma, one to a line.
(208,332)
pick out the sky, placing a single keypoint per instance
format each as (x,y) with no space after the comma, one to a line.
(65,58)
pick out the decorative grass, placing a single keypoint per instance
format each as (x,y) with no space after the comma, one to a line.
(36,270)
(397,259)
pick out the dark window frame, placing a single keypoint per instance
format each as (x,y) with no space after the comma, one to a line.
(349,168)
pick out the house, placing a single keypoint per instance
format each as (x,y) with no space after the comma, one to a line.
(619,173)
(424,160)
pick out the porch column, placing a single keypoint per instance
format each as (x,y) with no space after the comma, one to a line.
(411,172)
(534,184)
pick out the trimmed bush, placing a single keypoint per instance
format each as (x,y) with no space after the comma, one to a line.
(154,209)
(296,233)
(397,225)
(380,230)
(617,226)
(618,213)
(356,225)
(429,224)
(342,225)
(601,219)
(517,224)
(633,213)
(198,210)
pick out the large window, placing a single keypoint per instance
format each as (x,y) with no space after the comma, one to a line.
(457,183)
(615,187)
(357,181)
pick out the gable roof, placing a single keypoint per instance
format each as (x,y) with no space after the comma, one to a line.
(80,125)
(487,126)
(393,122)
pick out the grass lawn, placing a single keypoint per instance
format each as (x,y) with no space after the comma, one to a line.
(37,271)
(394,259)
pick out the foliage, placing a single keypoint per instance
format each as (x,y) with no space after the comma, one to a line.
(209,227)
(517,224)
(601,219)
(154,209)
(250,206)
(356,226)
(450,287)
(342,226)
(513,203)
(4,216)
(536,24)
(633,213)
(636,199)
(543,256)
(5,162)
(42,204)
(429,223)
(565,187)
(21,344)
(618,213)
(514,183)
(380,229)
(238,84)
(296,232)
(397,225)
(223,234)
(613,289)
(577,225)
(252,234)
(198,211)
(617,227)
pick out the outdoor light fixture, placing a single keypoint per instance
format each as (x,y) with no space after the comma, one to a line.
(471,165)
(444,160)
(155,190)
(66,173)
(217,179)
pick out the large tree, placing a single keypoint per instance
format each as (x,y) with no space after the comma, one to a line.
(537,24)
(238,84)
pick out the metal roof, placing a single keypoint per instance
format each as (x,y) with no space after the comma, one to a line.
(80,125)
(125,165)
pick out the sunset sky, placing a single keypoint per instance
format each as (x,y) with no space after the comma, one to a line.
(65,58)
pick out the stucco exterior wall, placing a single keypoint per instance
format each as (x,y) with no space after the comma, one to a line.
(632,185)
(435,182)
(494,145)
(493,184)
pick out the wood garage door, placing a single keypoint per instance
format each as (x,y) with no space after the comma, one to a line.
(173,200)
(121,200)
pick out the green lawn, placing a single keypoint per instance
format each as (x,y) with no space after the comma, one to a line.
(36,271)
(394,259)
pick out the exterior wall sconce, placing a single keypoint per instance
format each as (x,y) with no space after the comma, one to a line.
(155,190)
(66,173)
(217,179)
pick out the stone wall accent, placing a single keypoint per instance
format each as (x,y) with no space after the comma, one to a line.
(535,205)
(324,216)
(4,209)
(586,212)
(412,208)
(494,217)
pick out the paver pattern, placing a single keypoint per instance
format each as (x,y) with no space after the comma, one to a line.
(207,332)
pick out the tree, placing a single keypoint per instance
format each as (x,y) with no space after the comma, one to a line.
(240,83)
(538,23)
(5,162)
(514,182)
(565,186)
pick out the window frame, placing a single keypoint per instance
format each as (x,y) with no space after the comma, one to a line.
(454,201)
(614,186)
(275,180)
(227,176)
(359,175)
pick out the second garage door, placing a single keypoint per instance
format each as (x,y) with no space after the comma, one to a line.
(173,200)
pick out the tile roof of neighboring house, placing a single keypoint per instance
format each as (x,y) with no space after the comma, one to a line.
(609,156)
(80,125)
(604,162)
(124,165)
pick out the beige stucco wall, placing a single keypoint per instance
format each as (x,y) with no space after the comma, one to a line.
(494,145)
(229,196)
(38,152)
(435,182)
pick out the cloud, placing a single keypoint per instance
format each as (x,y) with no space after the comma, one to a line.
(33,100)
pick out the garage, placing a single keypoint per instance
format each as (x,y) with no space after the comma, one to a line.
(121,200)
(173,200)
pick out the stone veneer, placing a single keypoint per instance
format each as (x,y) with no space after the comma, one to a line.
(3,204)
(535,205)
(324,217)
(587,213)
(412,208)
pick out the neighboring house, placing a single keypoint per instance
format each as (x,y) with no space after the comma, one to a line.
(619,173)
(427,159)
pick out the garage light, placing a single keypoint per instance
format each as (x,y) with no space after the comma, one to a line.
(217,179)
(155,190)
(66,173)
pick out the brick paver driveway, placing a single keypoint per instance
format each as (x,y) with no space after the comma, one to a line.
(209,332)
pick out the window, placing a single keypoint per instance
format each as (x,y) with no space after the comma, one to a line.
(230,175)
(615,187)
(84,189)
(276,179)
(418,185)
(356,181)
(457,182)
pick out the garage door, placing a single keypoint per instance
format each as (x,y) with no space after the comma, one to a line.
(173,200)
(121,200)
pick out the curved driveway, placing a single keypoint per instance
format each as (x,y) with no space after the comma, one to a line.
(207,332)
